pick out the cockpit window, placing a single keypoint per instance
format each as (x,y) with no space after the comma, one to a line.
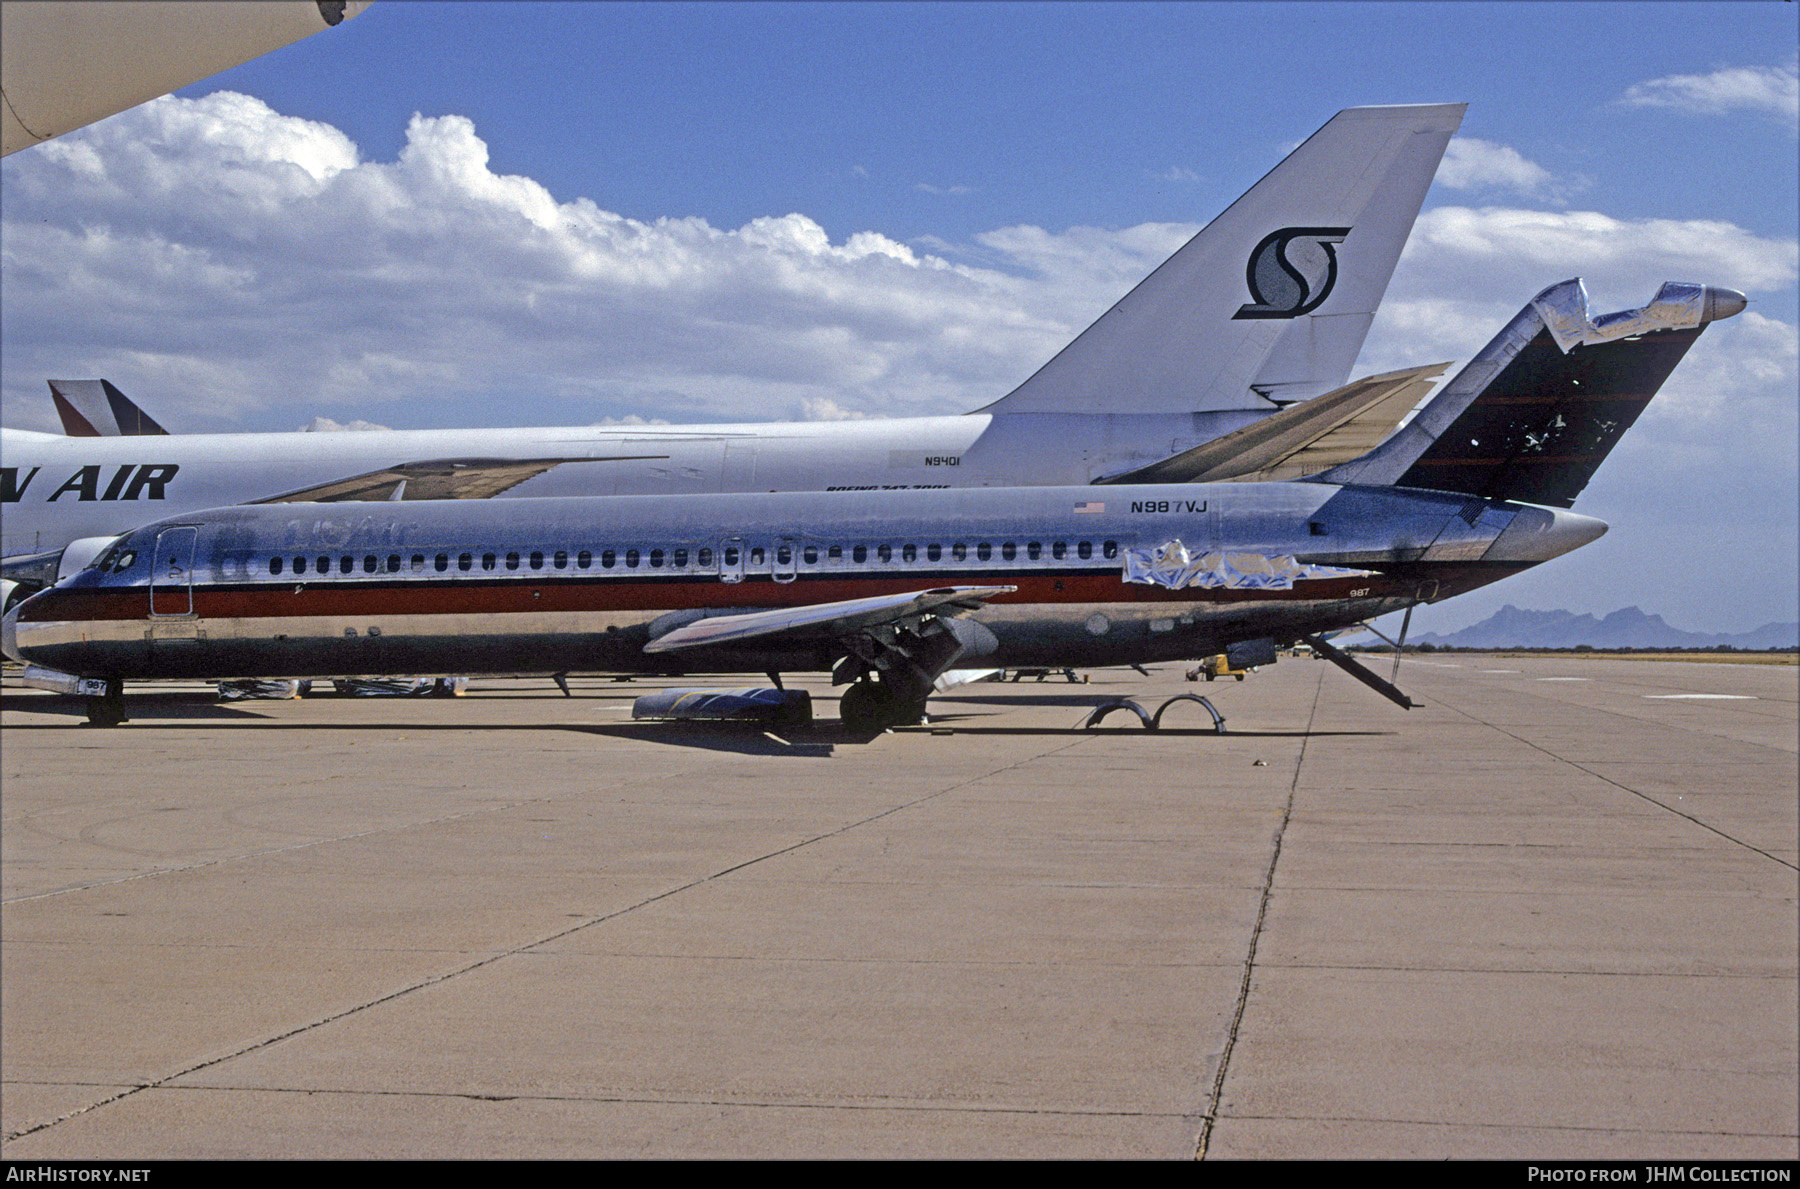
(115,560)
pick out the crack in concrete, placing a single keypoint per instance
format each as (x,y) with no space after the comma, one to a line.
(1579,767)
(524,947)
(686,1100)
(1211,1114)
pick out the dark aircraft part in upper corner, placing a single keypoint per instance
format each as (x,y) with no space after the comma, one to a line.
(1548,419)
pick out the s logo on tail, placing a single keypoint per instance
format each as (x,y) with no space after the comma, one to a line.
(1291,272)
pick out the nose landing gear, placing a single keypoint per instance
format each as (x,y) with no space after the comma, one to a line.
(107,709)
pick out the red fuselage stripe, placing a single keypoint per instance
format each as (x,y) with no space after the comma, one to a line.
(268,599)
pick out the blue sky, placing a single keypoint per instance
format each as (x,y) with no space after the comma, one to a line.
(1049,114)
(904,209)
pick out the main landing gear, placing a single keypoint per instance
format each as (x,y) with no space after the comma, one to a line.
(871,706)
(891,668)
(107,709)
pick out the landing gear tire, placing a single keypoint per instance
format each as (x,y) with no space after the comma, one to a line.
(108,709)
(868,707)
(860,709)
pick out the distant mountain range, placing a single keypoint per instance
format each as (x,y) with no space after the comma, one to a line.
(1511,627)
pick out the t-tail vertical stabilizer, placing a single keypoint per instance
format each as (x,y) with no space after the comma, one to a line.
(1270,302)
(1535,412)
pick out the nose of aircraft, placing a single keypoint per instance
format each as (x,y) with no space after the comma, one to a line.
(9,635)
(1539,534)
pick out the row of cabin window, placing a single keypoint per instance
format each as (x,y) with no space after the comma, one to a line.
(559,560)
(754,555)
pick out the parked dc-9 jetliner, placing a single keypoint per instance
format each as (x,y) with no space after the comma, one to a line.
(1266,306)
(887,590)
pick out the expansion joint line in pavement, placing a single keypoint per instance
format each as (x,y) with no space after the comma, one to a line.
(1211,1113)
(447,975)
(1749,846)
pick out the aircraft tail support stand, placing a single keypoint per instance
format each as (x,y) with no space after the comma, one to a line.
(1349,665)
(1400,648)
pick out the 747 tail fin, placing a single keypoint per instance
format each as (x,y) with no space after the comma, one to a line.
(95,409)
(1535,412)
(1270,302)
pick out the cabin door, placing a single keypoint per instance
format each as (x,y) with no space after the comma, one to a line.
(172,574)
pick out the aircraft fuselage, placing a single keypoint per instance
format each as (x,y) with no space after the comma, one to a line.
(584,584)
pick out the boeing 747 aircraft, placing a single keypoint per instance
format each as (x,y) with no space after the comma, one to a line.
(1265,307)
(886,590)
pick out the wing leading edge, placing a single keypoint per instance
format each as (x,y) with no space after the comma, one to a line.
(825,620)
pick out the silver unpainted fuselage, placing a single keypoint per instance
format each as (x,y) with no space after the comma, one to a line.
(583,584)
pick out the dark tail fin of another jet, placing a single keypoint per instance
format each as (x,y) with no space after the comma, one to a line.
(1532,416)
(95,409)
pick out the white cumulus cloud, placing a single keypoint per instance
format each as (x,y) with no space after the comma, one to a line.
(1470,163)
(233,267)
(1763,90)
(233,262)
(327,425)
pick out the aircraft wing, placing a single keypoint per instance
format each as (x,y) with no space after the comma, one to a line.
(440,479)
(1302,439)
(825,620)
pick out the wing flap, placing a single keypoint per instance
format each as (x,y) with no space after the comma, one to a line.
(825,620)
(438,479)
(1302,439)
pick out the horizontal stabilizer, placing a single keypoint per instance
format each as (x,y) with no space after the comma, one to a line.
(1270,302)
(1302,440)
(825,620)
(1532,416)
(96,409)
(442,479)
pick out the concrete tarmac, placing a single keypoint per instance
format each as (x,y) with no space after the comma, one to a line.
(1549,914)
